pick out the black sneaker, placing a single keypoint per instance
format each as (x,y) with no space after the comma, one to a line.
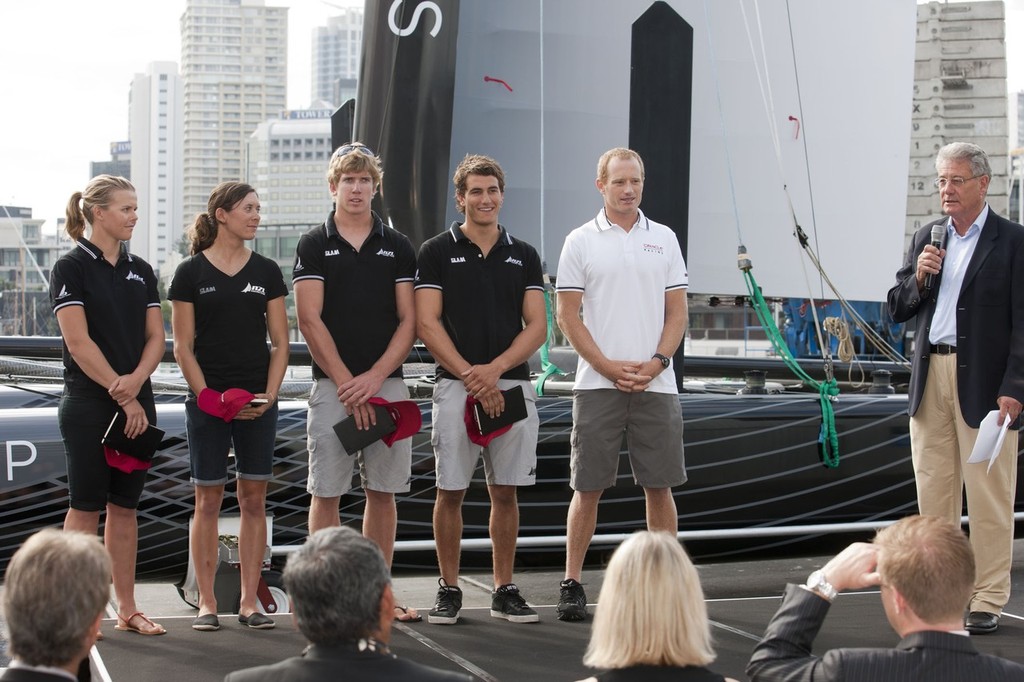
(447,606)
(507,603)
(572,600)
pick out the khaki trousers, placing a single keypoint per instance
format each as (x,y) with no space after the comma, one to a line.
(940,443)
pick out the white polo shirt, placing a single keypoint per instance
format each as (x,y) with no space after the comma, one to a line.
(623,277)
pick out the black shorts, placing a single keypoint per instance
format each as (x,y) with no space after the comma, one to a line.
(92,483)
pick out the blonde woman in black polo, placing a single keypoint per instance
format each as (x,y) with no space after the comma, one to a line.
(108,309)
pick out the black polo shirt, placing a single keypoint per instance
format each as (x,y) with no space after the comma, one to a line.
(116,299)
(230,318)
(359,307)
(482,298)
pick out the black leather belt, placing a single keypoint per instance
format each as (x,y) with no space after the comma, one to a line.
(942,349)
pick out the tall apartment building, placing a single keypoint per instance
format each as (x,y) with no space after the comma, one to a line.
(959,96)
(234,71)
(156,128)
(335,61)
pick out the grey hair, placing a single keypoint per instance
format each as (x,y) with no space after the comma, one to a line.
(965,151)
(336,581)
(57,585)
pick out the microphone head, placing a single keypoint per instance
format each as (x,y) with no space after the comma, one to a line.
(938,232)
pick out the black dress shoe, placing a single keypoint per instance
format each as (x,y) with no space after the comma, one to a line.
(981,622)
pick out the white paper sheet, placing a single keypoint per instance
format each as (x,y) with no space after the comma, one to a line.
(990,439)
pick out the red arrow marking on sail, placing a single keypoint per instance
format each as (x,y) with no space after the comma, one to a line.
(796,131)
(488,79)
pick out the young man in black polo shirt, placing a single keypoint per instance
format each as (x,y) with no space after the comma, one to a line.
(480,312)
(353,281)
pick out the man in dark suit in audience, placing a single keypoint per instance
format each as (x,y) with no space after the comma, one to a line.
(340,588)
(925,569)
(56,587)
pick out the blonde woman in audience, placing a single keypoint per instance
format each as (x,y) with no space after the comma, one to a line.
(651,622)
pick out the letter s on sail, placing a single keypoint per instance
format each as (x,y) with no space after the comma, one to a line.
(401,32)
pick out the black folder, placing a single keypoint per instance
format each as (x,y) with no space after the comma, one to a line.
(354,440)
(142,447)
(515,410)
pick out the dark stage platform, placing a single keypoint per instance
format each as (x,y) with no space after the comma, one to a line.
(742,596)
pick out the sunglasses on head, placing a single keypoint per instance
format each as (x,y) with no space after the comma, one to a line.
(346,148)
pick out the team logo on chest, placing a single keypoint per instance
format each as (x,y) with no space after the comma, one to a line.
(386,254)
(131,276)
(514,261)
(458,259)
(253,289)
(332,252)
(654,248)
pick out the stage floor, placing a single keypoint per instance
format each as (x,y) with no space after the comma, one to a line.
(741,597)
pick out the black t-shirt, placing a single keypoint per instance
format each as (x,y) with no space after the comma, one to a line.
(359,307)
(116,299)
(231,318)
(482,298)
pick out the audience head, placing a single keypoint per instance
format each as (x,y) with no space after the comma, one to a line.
(56,587)
(99,193)
(475,164)
(929,561)
(616,153)
(336,581)
(226,195)
(354,157)
(651,608)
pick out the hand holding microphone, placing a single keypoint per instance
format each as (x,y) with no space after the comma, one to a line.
(930,261)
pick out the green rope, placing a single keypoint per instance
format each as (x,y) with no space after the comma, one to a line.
(546,366)
(828,437)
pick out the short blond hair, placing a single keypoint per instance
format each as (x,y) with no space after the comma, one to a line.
(617,153)
(357,159)
(930,562)
(651,608)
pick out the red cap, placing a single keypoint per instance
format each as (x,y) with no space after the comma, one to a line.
(473,430)
(223,405)
(406,414)
(123,462)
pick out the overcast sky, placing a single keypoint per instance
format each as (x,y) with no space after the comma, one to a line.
(67,67)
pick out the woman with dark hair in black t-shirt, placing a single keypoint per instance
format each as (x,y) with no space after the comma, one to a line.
(225,300)
(108,309)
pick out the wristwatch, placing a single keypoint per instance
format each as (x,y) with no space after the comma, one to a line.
(664,360)
(816,582)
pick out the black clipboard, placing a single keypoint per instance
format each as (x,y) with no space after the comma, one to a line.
(354,440)
(515,410)
(142,447)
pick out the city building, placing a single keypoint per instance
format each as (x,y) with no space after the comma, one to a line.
(120,162)
(234,70)
(959,95)
(26,256)
(156,131)
(335,59)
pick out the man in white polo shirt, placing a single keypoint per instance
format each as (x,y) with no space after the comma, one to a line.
(626,274)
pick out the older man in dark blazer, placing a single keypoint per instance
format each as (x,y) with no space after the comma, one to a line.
(925,568)
(967,296)
(341,594)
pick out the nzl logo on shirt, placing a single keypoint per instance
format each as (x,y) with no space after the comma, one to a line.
(654,248)
(252,289)
(131,276)
(298,264)
(386,254)
(514,261)
(64,293)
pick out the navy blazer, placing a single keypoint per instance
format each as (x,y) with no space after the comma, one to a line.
(989,318)
(319,664)
(29,675)
(784,653)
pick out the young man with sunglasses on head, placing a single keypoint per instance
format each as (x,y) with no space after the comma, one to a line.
(353,282)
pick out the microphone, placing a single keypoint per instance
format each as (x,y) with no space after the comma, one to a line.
(938,232)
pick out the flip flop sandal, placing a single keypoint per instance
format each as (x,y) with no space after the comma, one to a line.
(407,615)
(125,625)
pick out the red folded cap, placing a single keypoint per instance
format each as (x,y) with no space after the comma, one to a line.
(474,431)
(123,462)
(223,405)
(406,414)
